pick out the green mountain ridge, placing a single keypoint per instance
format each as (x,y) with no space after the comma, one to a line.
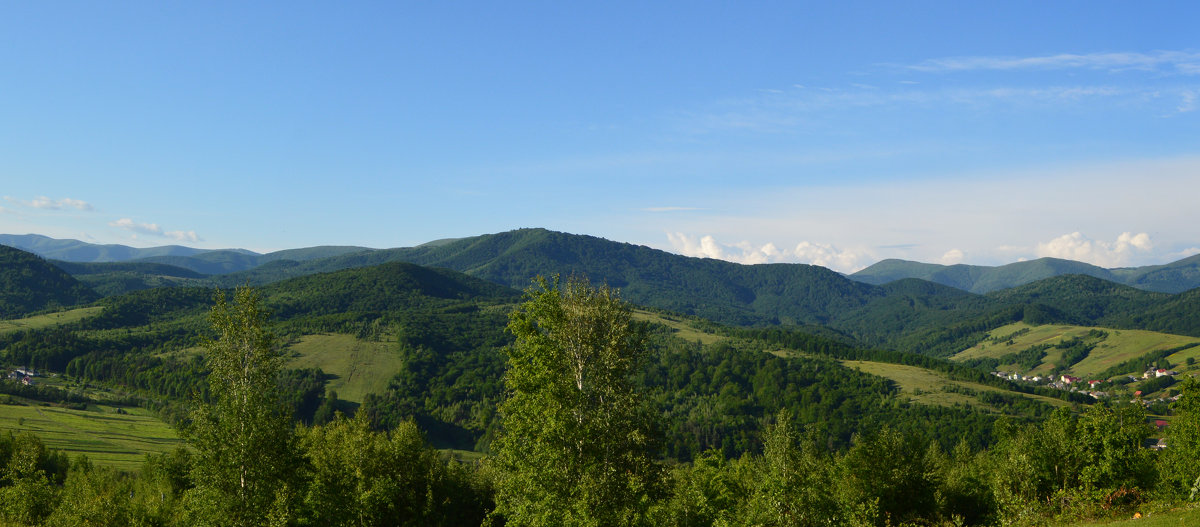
(730,293)
(911,314)
(203,261)
(1174,277)
(28,284)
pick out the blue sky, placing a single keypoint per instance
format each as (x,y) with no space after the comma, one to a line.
(834,133)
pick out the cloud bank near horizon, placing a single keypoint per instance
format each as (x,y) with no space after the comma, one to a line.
(153,229)
(1122,252)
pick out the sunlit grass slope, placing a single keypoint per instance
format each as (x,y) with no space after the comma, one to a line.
(679,327)
(923,386)
(49,319)
(107,438)
(359,367)
(1120,345)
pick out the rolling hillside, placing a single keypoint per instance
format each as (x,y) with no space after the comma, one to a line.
(29,283)
(1112,352)
(910,314)
(78,251)
(1175,277)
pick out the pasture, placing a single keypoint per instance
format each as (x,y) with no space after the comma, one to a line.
(358,366)
(928,387)
(107,436)
(48,319)
(1120,345)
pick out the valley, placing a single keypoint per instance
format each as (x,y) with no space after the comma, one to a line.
(415,338)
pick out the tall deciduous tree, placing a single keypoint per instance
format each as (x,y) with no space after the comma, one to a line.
(1181,470)
(245,449)
(576,445)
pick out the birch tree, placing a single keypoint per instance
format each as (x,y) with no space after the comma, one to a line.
(245,449)
(576,442)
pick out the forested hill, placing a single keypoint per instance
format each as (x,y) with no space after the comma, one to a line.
(1174,277)
(29,283)
(910,314)
(901,314)
(371,291)
(714,289)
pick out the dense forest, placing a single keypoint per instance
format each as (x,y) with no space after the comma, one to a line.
(756,418)
(582,441)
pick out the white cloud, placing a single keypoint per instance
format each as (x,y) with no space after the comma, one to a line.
(75,204)
(1187,101)
(705,247)
(154,230)
(953,256)
(1184,62)
(824,255)
(130,225)
(1190,251)
(45,203)
(1076,246)
(183,236)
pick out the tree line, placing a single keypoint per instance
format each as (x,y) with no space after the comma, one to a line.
(580,441)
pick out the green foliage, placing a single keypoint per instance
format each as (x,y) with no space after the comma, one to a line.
(29,284)
(1179,314)
(29,479)
(360,477)
(707,492)
(576,447)
(301,392)
(94,497)
(1070,462)
(794,481)
(1180,470)
(245,452)
(891,471)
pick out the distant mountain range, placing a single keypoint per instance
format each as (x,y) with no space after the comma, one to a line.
(928,312)
(203,261)
(1175,277)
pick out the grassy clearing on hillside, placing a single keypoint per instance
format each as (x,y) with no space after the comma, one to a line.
(107,438)
(1119,346)
(49,319)
(679,327)
(1180,359)
(927,387)
(360,367)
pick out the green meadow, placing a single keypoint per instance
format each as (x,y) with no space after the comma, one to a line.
(1120,345)
(923,386)
(49,319)
(118,440)
(679,327)
(358,366)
